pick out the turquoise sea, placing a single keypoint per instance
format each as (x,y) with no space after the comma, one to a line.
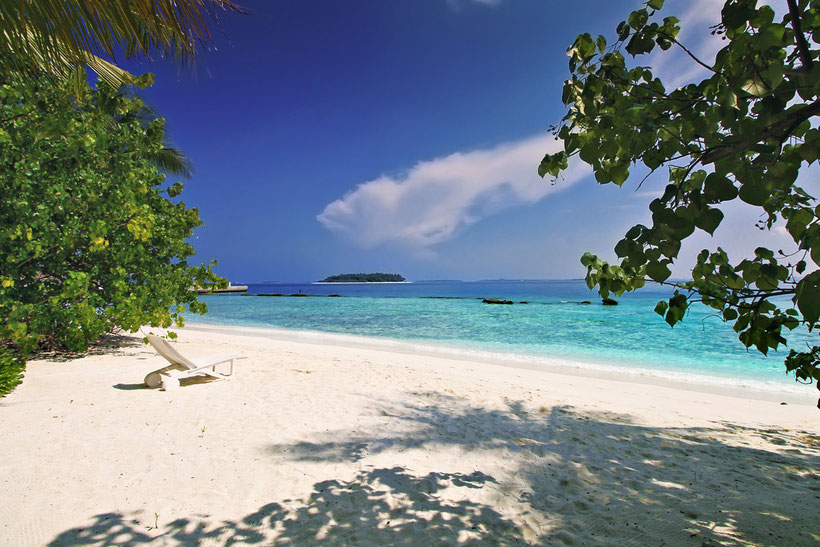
(449,317)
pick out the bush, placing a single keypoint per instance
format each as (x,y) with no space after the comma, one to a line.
(91,237)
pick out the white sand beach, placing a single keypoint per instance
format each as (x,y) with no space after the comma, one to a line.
(316,443)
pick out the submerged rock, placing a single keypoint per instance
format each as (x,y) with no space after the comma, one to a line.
(586,302)
(609,302)
(496,301)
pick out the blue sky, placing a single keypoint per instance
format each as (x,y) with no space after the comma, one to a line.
(398,136)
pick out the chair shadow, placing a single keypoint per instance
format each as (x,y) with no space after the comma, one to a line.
(131,387)
(184,382)
(577,474)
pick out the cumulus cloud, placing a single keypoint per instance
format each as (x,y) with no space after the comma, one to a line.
(433,200)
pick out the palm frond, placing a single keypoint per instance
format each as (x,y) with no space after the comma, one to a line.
(56,36)
(172,161)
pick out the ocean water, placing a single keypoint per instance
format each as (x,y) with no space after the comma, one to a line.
(450,317)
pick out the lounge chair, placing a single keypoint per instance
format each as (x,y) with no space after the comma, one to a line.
(182,367)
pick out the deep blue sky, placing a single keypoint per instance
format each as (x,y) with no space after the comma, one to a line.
(302,101)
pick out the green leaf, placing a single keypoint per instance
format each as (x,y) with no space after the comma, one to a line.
(552,164)
(718,188)
(754,194)
(623,30)
(657,271)
(709,220)
(655,4)
(770,35)
(637,19)
(619,174)
(661,307)
(755,86)
(799,219)
(601,43)
(585,46)
(808,297)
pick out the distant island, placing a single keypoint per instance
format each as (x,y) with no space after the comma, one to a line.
(364,278)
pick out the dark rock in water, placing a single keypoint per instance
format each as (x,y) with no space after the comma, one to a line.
(524,302)
(270,294)
(609,302)
(586,302)
(334,295)
(496,301)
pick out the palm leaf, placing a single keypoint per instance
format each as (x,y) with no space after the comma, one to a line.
(172,161)
(56,36)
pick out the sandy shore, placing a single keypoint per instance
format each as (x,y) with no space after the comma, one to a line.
(316,443)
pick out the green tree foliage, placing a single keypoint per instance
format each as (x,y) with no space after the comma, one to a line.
(363,278)
(743,132)
(11,370)
(56,37)
(91,237)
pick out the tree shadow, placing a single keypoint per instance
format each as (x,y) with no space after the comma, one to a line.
(598,473)
(380,507)
(555,476)
(108,344)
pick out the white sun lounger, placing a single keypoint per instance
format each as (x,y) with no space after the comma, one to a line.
(182,367)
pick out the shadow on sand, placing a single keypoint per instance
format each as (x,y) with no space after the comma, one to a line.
(566,476)
(108,344)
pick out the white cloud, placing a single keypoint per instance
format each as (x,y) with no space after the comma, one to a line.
(456,4)
(431,202)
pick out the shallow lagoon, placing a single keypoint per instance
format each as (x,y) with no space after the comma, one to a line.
(451,316)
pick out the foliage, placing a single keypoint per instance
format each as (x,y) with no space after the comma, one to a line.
(363,278)
(90,238)
(57,36)
(167,159)
(744,132)
(11,370)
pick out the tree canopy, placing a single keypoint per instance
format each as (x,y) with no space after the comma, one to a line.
(92,237)
(744,132)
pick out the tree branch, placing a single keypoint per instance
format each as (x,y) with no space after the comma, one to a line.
(692,55)
(776,129)
(799,38)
